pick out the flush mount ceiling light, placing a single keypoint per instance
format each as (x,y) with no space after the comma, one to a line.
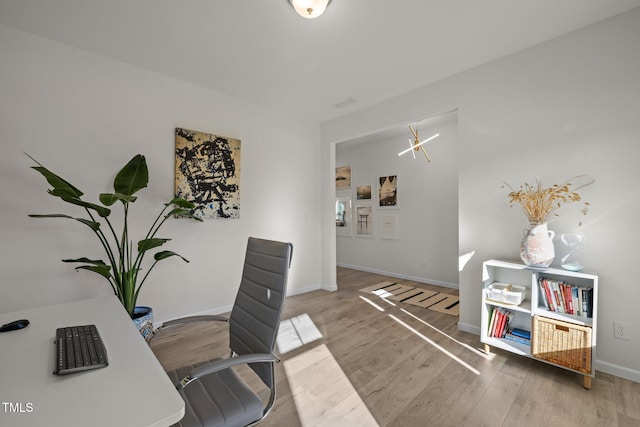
(416,145)
(309,8)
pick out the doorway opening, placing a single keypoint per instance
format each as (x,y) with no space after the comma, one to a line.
(398,215)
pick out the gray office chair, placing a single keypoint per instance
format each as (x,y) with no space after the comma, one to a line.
(214,394)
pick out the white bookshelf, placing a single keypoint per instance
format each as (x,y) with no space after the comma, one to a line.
(564,340)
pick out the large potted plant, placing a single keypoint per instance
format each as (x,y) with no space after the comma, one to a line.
(124,266)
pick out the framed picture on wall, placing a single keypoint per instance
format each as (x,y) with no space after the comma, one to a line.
(364,220)
(207,172)
(343,177)
(389,226)
(363,192)
(388,191)
(343,216)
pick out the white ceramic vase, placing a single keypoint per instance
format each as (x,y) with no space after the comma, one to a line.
(537,248)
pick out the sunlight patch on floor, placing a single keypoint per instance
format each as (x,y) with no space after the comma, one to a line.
(373,304)
(323,394)
(436,345)
(296,332)
(430,341)
(467,346)
(382,293)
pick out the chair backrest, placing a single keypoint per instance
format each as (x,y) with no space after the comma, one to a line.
(255,317)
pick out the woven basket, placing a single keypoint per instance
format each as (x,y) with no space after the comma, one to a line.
(562,343)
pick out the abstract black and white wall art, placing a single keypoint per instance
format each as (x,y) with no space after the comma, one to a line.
(208,173)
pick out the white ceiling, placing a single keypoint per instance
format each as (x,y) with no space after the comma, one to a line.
(402,132)
(261,51)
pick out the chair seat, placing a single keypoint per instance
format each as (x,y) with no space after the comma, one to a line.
(218,399)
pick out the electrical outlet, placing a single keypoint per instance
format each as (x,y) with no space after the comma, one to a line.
(621,331)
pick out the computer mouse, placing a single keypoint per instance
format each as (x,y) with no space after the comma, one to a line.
(15,325)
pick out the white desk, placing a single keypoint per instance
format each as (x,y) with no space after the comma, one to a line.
(132,391)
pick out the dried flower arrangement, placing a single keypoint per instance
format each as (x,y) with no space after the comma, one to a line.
(540,204)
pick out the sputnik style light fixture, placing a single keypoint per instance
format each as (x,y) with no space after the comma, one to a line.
(309,8)
(416,145)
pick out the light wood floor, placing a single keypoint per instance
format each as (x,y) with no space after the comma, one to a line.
(412,367)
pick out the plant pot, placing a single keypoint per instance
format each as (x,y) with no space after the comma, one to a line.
(143,319)
(537,248)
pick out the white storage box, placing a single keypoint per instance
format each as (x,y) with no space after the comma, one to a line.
(506,293)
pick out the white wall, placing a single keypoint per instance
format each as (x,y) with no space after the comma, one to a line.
(566,107)
(84,116)
(427,212)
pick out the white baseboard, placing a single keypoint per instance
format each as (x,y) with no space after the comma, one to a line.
(318,287)
(472,329)
(401,276)
(599,365)
(618,371)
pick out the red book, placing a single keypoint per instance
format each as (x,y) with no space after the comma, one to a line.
(562,294)
(568,298)
(547,291)
(557,295)
(499,316)
(494,320)
(508,316)
(561,285)
(503,322)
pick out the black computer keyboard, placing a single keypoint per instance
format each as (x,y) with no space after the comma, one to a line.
(79,348)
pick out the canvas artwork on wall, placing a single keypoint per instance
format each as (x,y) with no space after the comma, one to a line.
(363,192)
(388,191)
(343,177)
(208,173)
(364,220)
(389,226)
(343,215)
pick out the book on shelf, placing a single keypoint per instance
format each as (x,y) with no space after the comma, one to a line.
(574,299)
(547,294)
(499,326)
(557,293)
(543,294)
(499,323)
(563,297)
(569,292)
(508,319)
(516,338)
(522,333)
(492,320)
(580,301)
